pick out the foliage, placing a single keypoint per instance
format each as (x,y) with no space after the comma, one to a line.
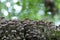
(33,9)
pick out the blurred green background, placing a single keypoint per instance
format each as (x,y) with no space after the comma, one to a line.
(32,9)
